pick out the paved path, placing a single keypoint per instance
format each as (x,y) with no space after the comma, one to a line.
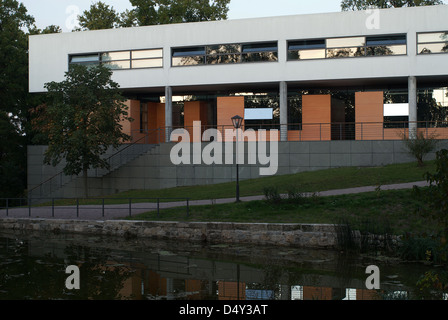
(116,211)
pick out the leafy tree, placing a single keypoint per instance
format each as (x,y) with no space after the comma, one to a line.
(15,22)
(348,5)
(83,119)
(436,196)
(100,16)
(152,12)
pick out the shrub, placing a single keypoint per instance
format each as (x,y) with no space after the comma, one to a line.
(420,146)
(272,195)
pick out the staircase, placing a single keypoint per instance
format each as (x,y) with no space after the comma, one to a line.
(124,155)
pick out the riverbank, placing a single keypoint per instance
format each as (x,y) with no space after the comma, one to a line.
(297,235)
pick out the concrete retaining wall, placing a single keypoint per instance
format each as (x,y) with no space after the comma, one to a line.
(154,169)
(296,235)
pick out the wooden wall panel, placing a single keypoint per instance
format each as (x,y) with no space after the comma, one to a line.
(369,115)
(195,111)
(228,107)
(316,117)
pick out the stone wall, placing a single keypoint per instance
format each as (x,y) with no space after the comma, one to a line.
(295,235)
(154,169)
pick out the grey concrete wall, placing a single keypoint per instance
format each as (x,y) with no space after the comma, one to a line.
(154,169)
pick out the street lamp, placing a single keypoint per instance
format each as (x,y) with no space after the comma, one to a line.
(237,122)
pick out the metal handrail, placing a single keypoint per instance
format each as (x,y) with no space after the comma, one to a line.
(61,173)
(26,204)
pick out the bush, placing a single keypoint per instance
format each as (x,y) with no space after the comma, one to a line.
(272,195)
(420,146)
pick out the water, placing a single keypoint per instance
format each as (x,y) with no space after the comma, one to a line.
(33,265)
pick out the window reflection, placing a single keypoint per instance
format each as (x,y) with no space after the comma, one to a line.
(345,52)
(347,47)
(111,56)
(346,42)
(116,60)
(435,42)
(147,63)
(225,54)
(118,64)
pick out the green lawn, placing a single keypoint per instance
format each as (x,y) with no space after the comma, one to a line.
(315,181)
(383,211)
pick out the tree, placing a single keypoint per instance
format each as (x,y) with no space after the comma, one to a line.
(15,22)
(153,12)
(419,146)
(100,16)
(348,5)
(436,195)
(83,119)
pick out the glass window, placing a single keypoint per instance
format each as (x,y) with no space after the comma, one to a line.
(118,64)
(191,51)
(147,54)
(188,61)
(307,44)
(386,50)
(93,58)
(223,58)
(433,48)
(224,48)
(386,40)
(260,56)
(346,42)
(345,52)
(311,54)
(433,37)
(259,47)
(120,55)
(147,63)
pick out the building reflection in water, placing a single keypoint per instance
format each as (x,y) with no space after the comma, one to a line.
(140,270)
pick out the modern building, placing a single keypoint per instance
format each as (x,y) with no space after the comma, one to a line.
(347,75)
(352,76)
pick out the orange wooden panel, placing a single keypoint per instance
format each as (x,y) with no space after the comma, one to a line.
(437,133)
(294,135)
(369,107)
(195,111)
(228,107)
(316,117)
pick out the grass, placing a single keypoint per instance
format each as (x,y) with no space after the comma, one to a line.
(313,181)
(394,210)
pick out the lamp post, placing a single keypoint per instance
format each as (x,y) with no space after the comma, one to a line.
(237,121)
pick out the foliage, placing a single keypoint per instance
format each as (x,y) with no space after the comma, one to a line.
(100,16)
(348,5)
(419,146)
(272,195)
(83,119)
(436,195)
(153,12)
(431,286)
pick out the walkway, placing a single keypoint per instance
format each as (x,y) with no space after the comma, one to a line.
(117,211)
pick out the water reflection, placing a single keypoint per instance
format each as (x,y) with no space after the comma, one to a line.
(33,267)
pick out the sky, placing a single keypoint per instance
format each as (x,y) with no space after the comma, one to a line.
(62,12)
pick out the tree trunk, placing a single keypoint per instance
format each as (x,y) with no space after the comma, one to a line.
(86,184)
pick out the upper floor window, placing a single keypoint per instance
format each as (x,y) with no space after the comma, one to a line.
(347,47)
(224,54)
(130,59)
(434,42)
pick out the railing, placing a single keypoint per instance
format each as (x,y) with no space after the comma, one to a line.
(118,159)
(91,208)
(309,131)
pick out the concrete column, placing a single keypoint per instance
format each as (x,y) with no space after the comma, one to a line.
(168,112)
(283,111)
(412,88)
